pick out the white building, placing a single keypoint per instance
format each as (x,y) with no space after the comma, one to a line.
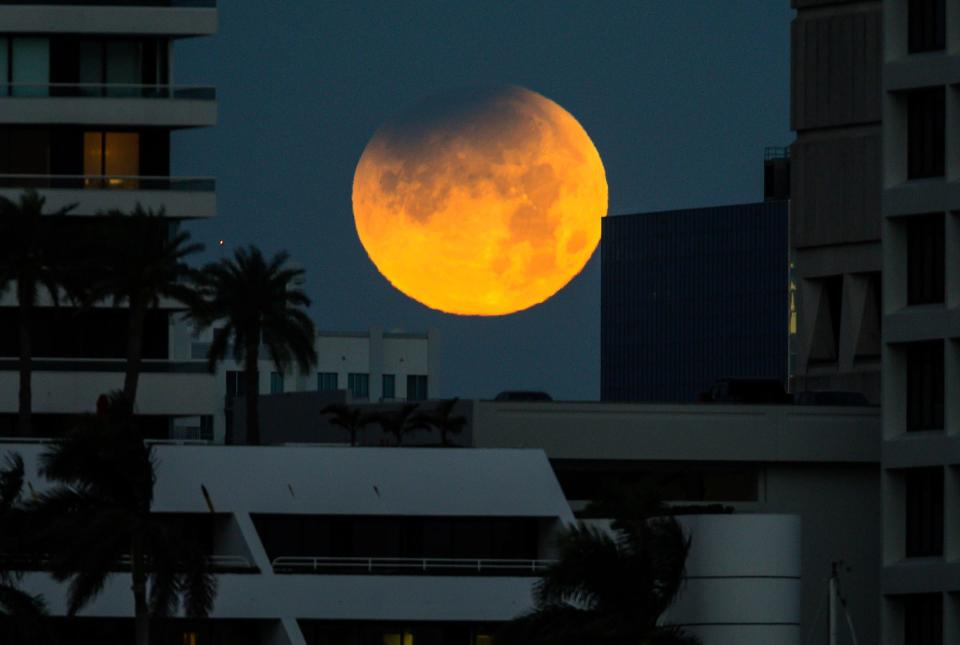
(88,106)
(372,366)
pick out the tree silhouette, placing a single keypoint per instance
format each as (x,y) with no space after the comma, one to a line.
(99,517)
(30,258)
(256,300)
(610,588)
(351,419)
(442,419)
(139,262)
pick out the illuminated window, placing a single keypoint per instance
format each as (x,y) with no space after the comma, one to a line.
(111,155)
(189,638)
(405,638)
(483,639)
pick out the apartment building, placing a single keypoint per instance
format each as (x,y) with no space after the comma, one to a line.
(88,105)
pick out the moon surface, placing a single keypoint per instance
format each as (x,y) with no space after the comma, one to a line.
(480,202)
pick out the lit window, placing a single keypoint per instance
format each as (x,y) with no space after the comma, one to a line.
(406,638)
(483,639)
(189,638)
(114,155)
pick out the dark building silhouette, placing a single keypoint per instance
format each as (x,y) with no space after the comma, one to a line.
(692,296)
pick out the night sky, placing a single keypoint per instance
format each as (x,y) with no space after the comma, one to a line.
(679,96)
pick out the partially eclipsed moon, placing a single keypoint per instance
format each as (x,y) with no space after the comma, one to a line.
(485,203)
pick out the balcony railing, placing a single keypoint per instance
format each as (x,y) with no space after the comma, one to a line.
(108,90)
(114,182)
(41,562)
(201,4)
(106,365)
(411,566)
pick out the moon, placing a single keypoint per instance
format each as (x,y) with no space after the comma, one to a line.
(480,202)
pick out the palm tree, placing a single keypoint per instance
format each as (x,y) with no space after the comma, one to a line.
(609,588)
(256,300)
(443,419)
(401,421)
(22,610)
(29,257)
(98,517)
(353,420)
(140,263)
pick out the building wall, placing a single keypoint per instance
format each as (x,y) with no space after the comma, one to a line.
(835,188)
(692,296)
(921,383)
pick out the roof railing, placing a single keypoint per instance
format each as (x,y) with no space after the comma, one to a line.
(410,566)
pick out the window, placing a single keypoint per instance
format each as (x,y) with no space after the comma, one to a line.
(327,382)
(359,385)
(922,619)
(114,155)
(925,389)
(26,64)
(925,133)
(235,384)
(927,25)
(276,383)
(925,259)
(416,387)
(404,638)
(389,386)
(924,512)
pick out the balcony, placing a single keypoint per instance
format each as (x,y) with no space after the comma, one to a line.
(177,196)
(176,18)
(62,386)
(108,104)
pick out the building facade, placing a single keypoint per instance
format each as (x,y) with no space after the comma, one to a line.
(88,106)
(835,178)
(921,326)
(354,367)
(692,296)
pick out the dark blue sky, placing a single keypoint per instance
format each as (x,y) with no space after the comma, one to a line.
(679,96)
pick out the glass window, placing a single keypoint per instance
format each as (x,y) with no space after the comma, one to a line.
(123,67)
(235,383)
(31,66)
(925,259)
(922,619)
(927,25)
(327,381)
(925,386)
(276,382)
(359,385)
(924,512)
(404,638)
(926,138)
(389,386)
(416,387)
(4,64)
(115,155)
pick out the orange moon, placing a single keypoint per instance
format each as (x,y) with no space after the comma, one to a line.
(483,202)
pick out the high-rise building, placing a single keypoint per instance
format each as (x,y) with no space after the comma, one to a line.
(921,325)
(88,105)
(835,194)
(692,296)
